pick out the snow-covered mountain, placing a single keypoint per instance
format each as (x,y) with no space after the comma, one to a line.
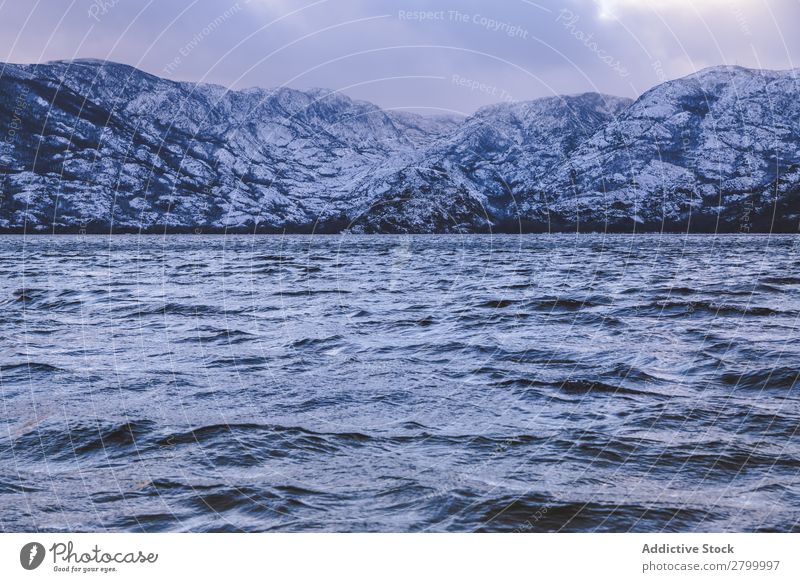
(477,177)
(103,143)
(720,147)
(96,145)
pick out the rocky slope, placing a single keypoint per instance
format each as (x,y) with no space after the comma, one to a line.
(94,146)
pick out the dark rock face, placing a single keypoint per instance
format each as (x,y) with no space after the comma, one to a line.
(96,146)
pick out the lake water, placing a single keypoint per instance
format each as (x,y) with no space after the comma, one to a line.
(389,383)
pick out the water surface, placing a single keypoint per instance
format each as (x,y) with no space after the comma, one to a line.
(388,383)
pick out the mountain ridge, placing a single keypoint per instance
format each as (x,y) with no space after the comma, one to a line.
(103,147)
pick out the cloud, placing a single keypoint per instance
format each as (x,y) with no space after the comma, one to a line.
(612,9)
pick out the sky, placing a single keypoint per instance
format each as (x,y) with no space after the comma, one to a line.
(448,56)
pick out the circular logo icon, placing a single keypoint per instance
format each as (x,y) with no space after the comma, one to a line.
(31,555)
